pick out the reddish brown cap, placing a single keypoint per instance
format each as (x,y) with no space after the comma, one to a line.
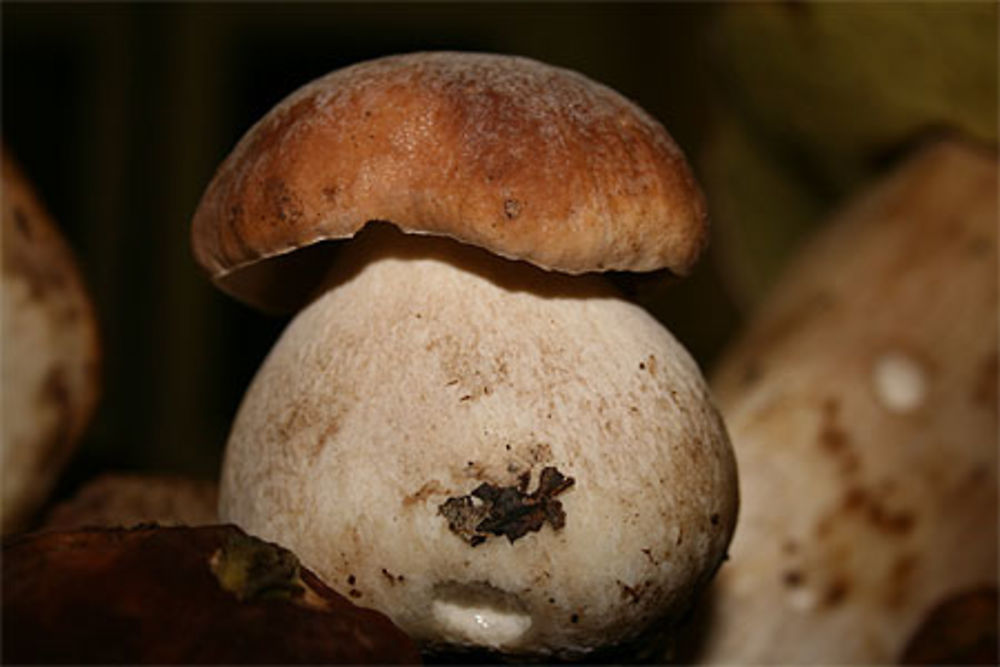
(530,161)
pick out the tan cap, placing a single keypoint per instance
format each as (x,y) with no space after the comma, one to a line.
(530,161)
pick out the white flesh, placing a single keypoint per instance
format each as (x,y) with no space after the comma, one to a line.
(428,368)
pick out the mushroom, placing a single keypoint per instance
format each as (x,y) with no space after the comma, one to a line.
(467,427)
(862,404)
(181,595)
(124,499)
(50,351)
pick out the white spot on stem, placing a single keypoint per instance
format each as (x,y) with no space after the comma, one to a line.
(900,382)
(803,599)
(480,613)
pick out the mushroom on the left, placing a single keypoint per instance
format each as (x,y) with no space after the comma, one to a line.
(50,351)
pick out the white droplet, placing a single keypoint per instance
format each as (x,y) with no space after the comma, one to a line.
(803,598)
(480,613)
(900,382)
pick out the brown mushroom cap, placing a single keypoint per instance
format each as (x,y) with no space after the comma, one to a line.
(529,161)
(50,351)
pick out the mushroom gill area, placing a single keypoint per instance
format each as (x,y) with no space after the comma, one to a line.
(285,282)
(380,241)
(491,454)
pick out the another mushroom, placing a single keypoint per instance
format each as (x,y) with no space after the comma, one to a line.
(50,351)
(123,500)
(862,404)
(454,430)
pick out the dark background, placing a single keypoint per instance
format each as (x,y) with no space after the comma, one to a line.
(119,113)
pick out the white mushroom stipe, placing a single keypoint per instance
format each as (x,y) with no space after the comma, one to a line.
(883,403)
(49,352)
(479,614)
(431,374)
(900,382)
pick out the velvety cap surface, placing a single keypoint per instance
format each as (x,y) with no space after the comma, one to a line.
(530,161)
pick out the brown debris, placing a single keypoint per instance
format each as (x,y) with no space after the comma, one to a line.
(154,595)
(508,510)
(393,579)
(836,592)
(632,593)
(835,441)
(985,391)
(252,569)
(857,500)
(792,578)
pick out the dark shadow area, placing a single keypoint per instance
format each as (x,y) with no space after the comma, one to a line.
(296,278)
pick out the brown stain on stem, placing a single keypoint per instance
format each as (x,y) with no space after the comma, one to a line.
(835,441)
(985,390)
(433,487)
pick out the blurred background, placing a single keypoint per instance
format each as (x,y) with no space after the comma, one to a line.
(119,113)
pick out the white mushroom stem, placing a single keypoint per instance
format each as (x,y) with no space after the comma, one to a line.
(49,352)
(863,410)
(428,369)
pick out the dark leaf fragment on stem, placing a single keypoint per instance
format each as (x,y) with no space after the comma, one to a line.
(508,510)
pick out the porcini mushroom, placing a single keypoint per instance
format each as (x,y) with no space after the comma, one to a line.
(50,351)
(455,430)
(128,499)
(862,404)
